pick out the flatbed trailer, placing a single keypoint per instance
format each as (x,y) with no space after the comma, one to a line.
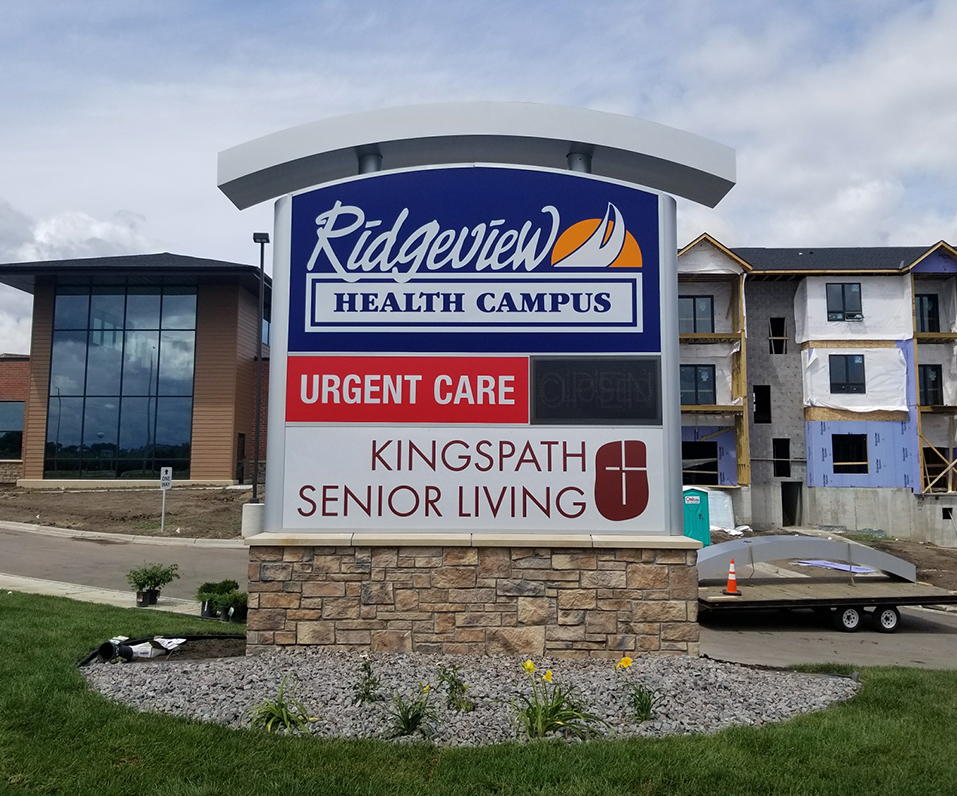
(849,598)
(850,603)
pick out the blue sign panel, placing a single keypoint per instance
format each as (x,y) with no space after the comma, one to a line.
(475,259)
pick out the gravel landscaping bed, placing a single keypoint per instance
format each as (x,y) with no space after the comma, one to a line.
(698,695)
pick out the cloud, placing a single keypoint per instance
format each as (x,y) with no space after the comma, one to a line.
(837,145)
(15,230)
(75,234)
(67,235)
(843,114)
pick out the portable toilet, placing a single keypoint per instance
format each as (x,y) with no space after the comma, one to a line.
(697,515)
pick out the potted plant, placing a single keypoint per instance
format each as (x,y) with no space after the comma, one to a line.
(232,606)
(149,579)
(208,595)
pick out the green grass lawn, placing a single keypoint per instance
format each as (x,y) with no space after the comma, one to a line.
(898,736)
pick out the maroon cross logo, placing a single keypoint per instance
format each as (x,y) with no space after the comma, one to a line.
(621,480)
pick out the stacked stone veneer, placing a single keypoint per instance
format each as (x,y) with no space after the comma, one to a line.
(10,471)
(571,603)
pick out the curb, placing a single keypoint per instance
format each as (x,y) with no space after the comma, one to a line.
(92,594)
(119,538)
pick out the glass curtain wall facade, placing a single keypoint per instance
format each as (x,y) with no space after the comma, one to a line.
(121,382)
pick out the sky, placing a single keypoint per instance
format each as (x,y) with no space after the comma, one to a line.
(843,113)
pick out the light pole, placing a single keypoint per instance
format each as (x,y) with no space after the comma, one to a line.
(262,238)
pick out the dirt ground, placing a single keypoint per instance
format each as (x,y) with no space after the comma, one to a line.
(203,649)
(194,650)
(217,514)
(198,513)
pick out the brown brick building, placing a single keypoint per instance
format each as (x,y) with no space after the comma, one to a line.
(137,362)
(14,385)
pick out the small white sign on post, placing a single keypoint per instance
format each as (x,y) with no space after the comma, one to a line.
(166,481)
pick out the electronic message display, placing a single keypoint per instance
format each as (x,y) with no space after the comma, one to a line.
(473,348)
(596,390)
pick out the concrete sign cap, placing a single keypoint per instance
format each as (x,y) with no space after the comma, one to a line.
(620,147)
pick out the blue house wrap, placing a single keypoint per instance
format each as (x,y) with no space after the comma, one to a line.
(727,453)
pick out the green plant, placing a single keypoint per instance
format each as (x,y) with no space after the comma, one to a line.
(368,682)
(643,701)
(282,714)
(236,601)
(209,590)
(152,576)
(412,715)
(455,698)
(553,709)
(851,749)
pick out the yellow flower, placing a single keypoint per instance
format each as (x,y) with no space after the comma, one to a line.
(425,689)
(624,663)
(547,677)
(528,666)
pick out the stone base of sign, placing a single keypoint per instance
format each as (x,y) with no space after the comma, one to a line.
(599,597)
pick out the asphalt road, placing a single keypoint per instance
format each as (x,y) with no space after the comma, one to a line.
(96,562)
(925,639)
(771,638)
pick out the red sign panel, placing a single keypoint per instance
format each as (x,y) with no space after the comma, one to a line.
(473,390)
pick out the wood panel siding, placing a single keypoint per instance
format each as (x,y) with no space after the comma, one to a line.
(813,413)
(247,335)
(213,449)
(35,409)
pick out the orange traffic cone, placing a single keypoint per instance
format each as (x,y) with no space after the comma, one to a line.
(732,582)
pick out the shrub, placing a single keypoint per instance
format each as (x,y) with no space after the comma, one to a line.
(235,601)
(209,590)
(152,576)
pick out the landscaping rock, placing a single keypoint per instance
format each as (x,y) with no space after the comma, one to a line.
(697,695)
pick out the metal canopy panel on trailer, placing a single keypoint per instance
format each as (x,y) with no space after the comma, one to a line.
(713,561)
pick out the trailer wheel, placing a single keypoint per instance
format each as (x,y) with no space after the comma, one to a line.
(886,618)
(848,619)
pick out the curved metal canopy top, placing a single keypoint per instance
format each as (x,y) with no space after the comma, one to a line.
(621,147)
(713,561)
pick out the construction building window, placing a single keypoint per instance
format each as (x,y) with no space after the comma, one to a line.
(699,463)
(844,301)
(847,373)
(695,314)
(697,385)
(11,429)
(935,467)
(781,451)
(778,335)
(849,453)
(928,312)
(931,385)
(762,403)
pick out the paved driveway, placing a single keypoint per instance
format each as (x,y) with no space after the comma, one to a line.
(925,639)
(772,638)
(104,562)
